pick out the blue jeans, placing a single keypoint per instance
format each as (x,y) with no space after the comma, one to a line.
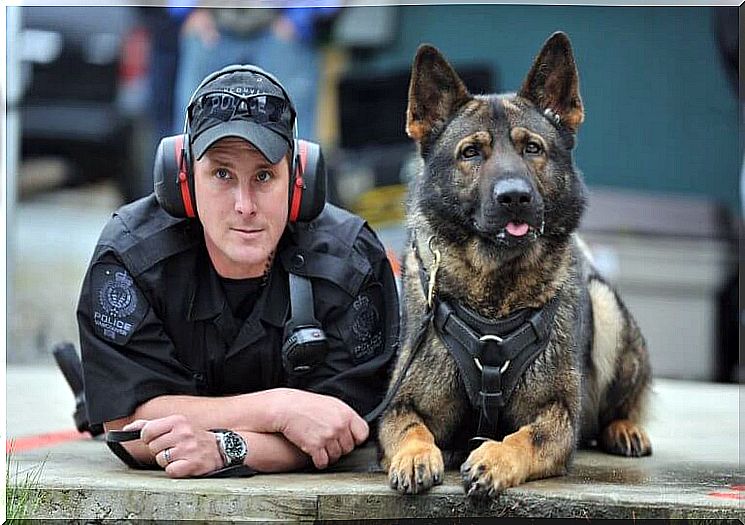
(294,63)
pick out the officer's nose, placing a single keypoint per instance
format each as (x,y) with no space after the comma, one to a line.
(245,203)
(513,194)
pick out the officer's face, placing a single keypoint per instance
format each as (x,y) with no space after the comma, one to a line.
(242,204)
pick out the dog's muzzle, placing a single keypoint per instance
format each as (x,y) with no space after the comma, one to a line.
(514,214)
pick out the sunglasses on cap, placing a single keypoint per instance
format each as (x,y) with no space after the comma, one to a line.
(215,107)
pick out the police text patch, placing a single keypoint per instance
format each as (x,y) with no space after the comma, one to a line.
(366,328)
(118,306)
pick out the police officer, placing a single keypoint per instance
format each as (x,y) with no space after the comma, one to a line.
(182,320)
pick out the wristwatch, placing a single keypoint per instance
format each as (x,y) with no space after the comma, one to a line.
(233,448)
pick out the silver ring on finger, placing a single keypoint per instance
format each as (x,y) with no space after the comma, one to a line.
(167,455)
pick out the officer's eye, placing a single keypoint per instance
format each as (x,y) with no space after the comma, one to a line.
(222,174)
(533,148)
(264,176)
(470,152)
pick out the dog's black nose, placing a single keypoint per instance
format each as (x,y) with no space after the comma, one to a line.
(513,193)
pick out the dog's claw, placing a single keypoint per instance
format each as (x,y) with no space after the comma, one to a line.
(474,490)
(393,481)
(403,487)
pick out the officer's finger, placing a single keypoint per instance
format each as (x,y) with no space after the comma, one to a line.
(137,424)
(320,458)
(162,442)
(157,427)
(165,457)
(346,441)
(333,450)
(359,429)
(180,468)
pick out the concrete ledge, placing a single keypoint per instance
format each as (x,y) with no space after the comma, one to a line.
(693,474)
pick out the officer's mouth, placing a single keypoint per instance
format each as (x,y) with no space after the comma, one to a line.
(248,233)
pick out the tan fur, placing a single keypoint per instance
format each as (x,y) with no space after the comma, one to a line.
(607,323)
(418,459)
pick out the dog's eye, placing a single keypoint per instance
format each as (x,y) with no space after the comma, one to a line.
(533,148)
(470,152)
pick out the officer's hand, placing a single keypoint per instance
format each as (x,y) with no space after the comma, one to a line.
(191,452)
(323,427)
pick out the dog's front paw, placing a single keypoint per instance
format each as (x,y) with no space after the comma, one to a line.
(625,438)
(491,468)
(416,467)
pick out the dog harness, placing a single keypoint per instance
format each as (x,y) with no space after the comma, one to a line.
(491,354)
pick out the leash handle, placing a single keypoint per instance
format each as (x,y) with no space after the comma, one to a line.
(121,436)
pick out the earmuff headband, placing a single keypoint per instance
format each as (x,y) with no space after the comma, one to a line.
(183,177)
(297,191)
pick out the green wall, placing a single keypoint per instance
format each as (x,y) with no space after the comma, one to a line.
(660,114)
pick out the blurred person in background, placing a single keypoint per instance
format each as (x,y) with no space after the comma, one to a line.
(164,26)
(281,40)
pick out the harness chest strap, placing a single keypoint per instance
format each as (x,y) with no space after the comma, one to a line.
(489,364)
(491,355)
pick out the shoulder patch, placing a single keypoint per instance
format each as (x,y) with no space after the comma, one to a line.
(367,329)
(117,303)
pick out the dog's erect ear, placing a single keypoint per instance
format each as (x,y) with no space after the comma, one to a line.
(435,92)
(553,82)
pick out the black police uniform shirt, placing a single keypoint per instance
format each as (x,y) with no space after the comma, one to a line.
(154,318)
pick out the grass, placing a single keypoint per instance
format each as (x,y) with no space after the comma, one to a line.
(22,497)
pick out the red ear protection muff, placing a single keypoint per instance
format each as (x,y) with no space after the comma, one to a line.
(308,186)
(173,177)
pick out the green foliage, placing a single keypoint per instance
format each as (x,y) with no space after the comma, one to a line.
(22,496)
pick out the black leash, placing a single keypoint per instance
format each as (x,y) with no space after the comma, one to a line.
(417,344)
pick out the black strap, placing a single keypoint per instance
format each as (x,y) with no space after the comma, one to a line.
(301,303)
(415,346)
(115,438)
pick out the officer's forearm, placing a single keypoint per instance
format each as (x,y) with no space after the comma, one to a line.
(273,453)
(254,412)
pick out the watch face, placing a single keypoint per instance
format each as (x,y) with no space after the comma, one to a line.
(235,447)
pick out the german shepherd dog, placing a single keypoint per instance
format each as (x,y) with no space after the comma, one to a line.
(491,218)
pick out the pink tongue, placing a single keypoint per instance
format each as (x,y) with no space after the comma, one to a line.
(517,230)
